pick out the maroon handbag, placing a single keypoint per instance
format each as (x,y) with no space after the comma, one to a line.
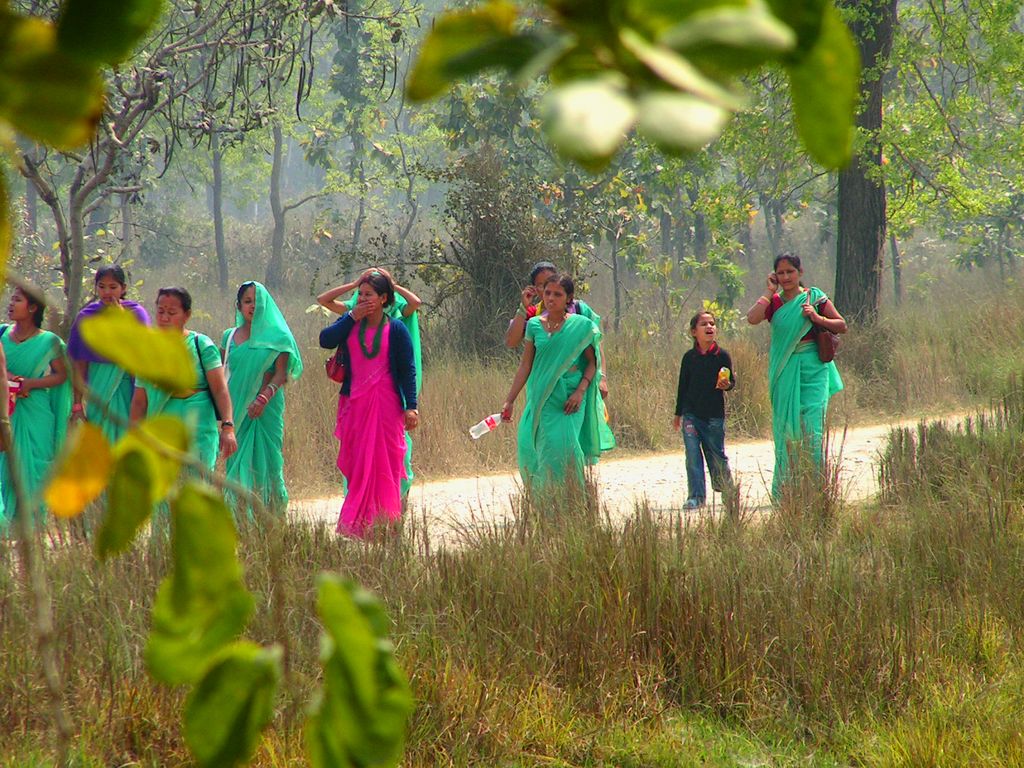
(828,342)
(335,368)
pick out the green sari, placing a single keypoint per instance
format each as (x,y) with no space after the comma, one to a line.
(799,385)
(554,446)
(197,410)
(412,324)
(40,421)
(258,464)
(114,386)
(607,438)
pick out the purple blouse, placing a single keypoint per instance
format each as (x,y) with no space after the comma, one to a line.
(78,349)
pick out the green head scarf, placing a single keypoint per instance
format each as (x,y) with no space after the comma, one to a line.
(270,331)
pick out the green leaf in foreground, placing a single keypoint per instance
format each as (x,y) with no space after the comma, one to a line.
(45,93)
(203,605)
(232,704)
(731,38)
(677,72)
(105,30)
(169,431)
(678,122)
(465,41)
(156,355)
(825,85)
(588,120)
(129,505)
(142,477)
(359,717)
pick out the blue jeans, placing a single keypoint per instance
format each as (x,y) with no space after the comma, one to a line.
(704,439)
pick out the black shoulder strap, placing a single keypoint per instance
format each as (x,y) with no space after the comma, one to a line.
(199,354)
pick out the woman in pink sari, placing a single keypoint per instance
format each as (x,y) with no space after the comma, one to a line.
(377,406)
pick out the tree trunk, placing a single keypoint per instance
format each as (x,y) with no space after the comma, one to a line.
(275,267)
(75,265)
(413,203)
(897,270)
(31,209)
(700,226)
(570,217)
(616,282)
(665,227)
(127,233)
(861,201)
(99,218)
(772,225)
(357,227)
(217,203)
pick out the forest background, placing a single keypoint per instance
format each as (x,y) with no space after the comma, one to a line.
(277,144)
(297,159)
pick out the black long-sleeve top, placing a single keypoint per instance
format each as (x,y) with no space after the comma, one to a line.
(696,393)
(401,361)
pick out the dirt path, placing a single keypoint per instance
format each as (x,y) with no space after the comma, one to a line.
(455,505)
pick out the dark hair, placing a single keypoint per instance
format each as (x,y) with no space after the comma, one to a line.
(696,319)
(183,296)
(112,270)
(565,280)
(241,292)
(34,298)
(381,285)
(542,266)
(792,258)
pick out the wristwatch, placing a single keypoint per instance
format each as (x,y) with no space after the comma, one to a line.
(227,423)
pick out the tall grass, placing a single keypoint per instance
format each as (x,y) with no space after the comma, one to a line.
(885,635)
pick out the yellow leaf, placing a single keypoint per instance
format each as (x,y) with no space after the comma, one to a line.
(83,473)
(158,356)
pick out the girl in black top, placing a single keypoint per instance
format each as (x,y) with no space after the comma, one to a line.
(705,373)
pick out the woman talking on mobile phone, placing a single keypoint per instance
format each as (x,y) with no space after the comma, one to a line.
(799,384)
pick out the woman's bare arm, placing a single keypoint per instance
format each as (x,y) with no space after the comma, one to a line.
(519,380)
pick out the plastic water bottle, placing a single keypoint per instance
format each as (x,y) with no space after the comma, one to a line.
(482,428)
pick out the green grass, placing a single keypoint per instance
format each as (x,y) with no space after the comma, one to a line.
(818,635)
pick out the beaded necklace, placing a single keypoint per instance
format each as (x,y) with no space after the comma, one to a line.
(369,354)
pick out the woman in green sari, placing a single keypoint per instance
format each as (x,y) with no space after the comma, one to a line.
(260,357)
(530,306)
(38,373)
(208,401)
(405,308)
(559,432)
(799,384)
(112,385)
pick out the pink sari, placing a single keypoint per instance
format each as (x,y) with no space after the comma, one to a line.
(371,428)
